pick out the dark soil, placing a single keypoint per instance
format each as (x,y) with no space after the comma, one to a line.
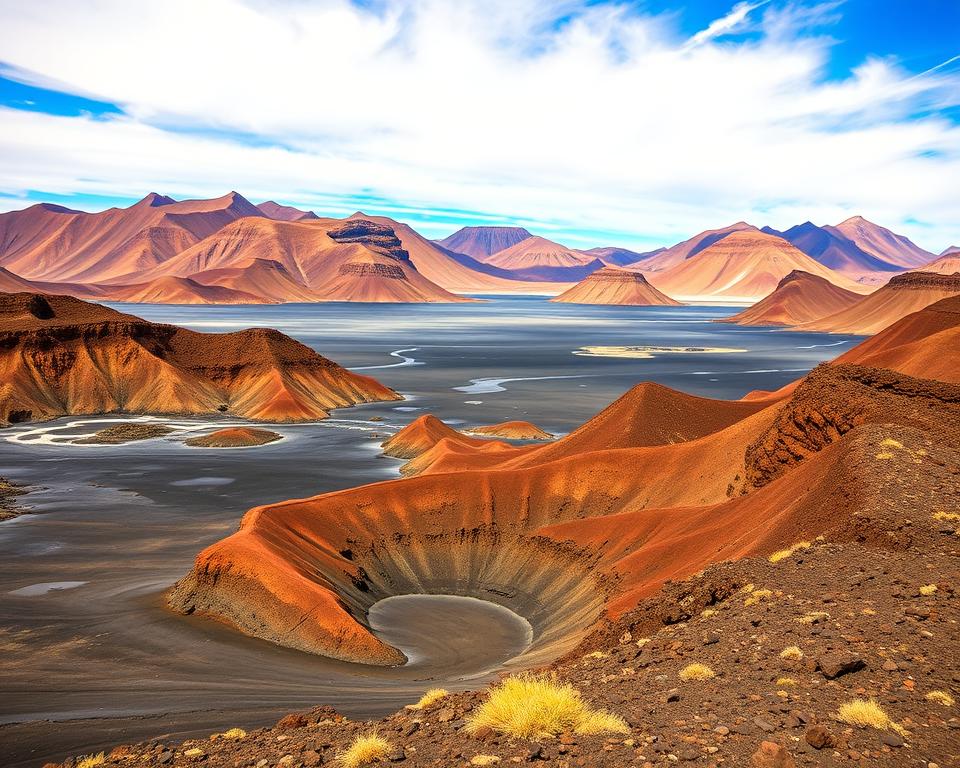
(125,433)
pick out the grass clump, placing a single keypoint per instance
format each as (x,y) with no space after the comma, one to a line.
(234,733)
(791,653)
(91,761)
(431,697)
(364,750)
(783,554)
(757,595)
(941,697)
(537,706)
(814,618)
(783,681)
(950,517)
(889,442)
(928,589)
(697,671)
(868,714)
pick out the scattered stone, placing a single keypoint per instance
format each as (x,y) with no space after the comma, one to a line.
(834,665)
(771,755)
(819,737)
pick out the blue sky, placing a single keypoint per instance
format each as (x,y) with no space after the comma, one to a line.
(593,123)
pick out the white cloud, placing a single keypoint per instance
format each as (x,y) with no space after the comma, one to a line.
(606,122)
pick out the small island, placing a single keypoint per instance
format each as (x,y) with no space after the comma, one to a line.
(124,433)
(234,437)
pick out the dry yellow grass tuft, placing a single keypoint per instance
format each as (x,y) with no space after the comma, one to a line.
(234,733)
(708,612)
(696,671)
(782,681)
(91,761)
(791,653)
(484,760)
(941,697)
(951,517)
(867,713)
(364,750)
(928,589)
(783,554)
(431,697)
(889,442)
(757,595)
(537,706)
(814,618)
(596,655)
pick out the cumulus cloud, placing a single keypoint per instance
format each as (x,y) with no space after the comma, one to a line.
(570,116)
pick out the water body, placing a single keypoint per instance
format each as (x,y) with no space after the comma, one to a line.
(91,657)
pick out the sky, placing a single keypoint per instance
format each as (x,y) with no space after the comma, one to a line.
(590,122)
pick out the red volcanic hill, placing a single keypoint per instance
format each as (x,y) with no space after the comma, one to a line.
(538,252)
(611,285)
(904,294)
(64,356)
(747,264)
(677,254)
(56,244)
(799,298)
(582,534)
(481,242)
(882,243)
(921,344)
(273,210)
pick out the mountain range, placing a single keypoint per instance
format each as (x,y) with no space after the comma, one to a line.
(228,250)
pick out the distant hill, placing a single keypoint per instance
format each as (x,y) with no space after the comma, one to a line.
(480,242)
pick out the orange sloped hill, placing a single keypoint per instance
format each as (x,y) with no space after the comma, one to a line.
(565,542)
(538,252)
(234,437)
(265,278)
(180,290)
(921,344)
(46,242)
(903,294)
(677,254)
(947,264)
(420,435)
(798,298)
(64,356)
(611,285)
(511,430)
(744,265)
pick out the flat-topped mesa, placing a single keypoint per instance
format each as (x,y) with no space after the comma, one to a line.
(376,237)
(920,280)
(62,356)
(565,542)
(612,285)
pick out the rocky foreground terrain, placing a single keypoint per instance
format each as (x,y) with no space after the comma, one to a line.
(748,663)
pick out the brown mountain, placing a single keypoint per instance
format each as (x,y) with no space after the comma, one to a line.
(611,285)
(798,298)
(179,290)
(273,210)
(64,356)
(677,254)
(538,252)
(481,242)
(56,244)
(882,243)
(904,294)
(265,278)
(744,265)
(922,344)
(946,264)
